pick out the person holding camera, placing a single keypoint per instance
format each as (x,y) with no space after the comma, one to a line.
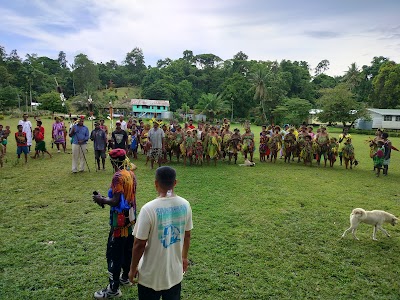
(122,201)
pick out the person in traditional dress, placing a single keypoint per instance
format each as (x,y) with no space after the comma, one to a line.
(234,145)
(332,151)
(348,153)
(205,138)
(248,144)
(373,143)
(275,143)
(322,141)
(342,138)
(388,150)
(307,150)
(144,139)
(264,138)
(58,134)
(289,142)
(226,136)
(214,146)
(189,147)
(121,198)
(178,137)
(199,153)
(379,157)
(300,142)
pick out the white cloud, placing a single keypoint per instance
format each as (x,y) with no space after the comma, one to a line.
(264,30)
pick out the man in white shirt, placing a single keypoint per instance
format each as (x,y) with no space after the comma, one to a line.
(123,123)
(156,137)
(27,128)
(162,240)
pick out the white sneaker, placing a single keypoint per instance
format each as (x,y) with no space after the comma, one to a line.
(107,293)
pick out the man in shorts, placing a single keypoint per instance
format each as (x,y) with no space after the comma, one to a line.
(156,138)
(99,138)
(22,143)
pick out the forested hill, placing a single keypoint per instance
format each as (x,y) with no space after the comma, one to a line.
(264,90)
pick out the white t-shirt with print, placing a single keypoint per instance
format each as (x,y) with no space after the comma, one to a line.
(163,222)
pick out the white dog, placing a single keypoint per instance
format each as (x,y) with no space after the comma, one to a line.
(248,163)
(373,217)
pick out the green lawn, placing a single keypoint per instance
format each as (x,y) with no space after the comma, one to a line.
(268,232)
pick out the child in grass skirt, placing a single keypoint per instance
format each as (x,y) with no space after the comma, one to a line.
(234,145)
(333,151)
(348,153)
(307,153)
(379,157)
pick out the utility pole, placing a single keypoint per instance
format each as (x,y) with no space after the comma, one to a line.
(30,93)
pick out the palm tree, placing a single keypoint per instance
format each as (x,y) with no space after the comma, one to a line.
(259,81)
(212,105)
(352,76)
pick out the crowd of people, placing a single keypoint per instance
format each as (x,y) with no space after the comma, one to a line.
(162,142)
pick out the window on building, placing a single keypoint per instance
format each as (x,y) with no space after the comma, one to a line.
(397,118)
(145,106)
(387,118)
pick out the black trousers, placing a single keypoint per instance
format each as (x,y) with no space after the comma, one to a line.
(119,256)
(146,293)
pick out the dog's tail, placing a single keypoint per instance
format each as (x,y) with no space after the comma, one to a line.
(359,213)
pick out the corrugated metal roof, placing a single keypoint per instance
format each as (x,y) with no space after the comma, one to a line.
(391,112)
(149,102)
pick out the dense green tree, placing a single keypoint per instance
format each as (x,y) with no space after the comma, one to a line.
(5,76)
(339,105)
(364,89)
(8,97)
(212,105)
(270,87)
(85,75)
(386,92)
(62,59)
(298,79)
(323,81)
(160,90)
(237,91)
(188,56)
(352,76)
(207,60)
(51,101)
(322,66)
(292,111)
(259,81)
(135,65)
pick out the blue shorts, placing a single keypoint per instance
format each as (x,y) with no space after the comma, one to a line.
(21,149)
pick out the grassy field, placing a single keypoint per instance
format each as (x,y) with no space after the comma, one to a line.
(268,232)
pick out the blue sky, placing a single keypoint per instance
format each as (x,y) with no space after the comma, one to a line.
(342,31)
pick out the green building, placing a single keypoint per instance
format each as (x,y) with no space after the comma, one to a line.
(145,108)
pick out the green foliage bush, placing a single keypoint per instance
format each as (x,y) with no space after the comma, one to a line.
(1,117)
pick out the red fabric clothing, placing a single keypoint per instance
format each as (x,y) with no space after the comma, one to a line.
(39,137)
(41,129)
(191,127)
(20,137)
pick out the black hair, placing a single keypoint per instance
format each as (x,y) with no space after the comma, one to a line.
(39,122)
(18,126)
(166,176)
(385,135)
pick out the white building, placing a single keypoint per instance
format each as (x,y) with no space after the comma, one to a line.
(380,118)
